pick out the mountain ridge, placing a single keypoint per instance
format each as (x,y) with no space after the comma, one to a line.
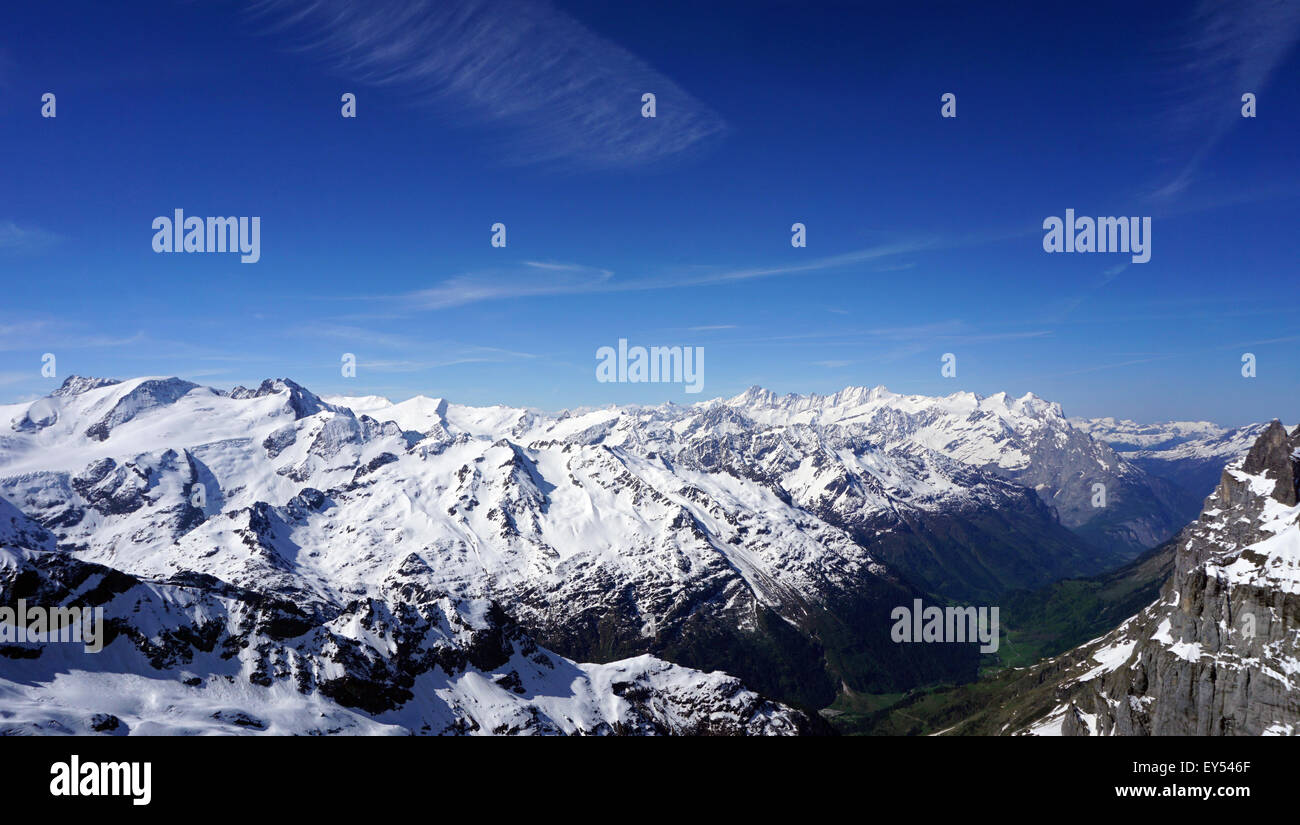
(766,536)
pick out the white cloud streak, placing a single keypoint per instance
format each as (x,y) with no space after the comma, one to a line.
(1228,50)
(15,238)
(562,93)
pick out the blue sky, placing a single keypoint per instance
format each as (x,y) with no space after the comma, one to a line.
(924,233)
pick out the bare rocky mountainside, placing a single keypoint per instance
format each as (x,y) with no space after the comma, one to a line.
(1217,653)
(272,560)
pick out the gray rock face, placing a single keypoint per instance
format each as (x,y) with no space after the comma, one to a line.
(1273,457)
(1141,510)
(18,530)
(1219,653)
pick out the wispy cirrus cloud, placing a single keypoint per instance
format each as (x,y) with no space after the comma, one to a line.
(1069,304)
(905,339)
(58,335)
(440,353)
(15,238)
(1226,50)
(562,92)
(352,335)
(450,355)
(899,267)
(531,279)
(534,279)
(7,378)
(951,331)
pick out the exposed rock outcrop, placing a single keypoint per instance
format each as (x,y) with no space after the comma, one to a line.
(1219,652)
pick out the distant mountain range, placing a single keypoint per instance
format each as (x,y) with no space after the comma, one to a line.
(1189,454)
(348,564)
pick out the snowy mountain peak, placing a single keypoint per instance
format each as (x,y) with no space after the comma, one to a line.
(419,413)
(359,404)
(302,401)
(859,395)
(755,396)
(77,384)
(1004,405)
(1030,404)
(761,398)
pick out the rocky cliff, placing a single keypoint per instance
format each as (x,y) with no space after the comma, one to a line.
(1219,652)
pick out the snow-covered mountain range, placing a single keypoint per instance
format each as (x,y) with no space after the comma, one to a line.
(1187,454)
(193,655)
(761,535)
